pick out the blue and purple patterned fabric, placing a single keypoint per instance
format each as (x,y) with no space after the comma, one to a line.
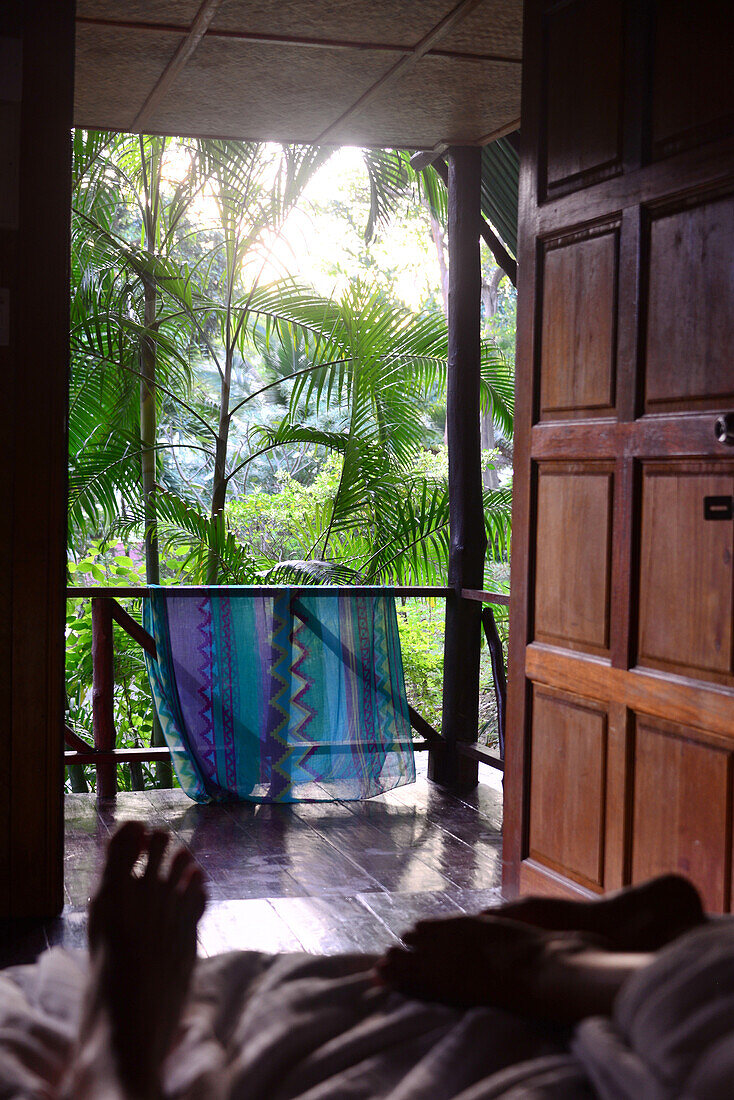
(280,698)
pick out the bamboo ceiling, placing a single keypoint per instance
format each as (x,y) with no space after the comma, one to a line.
(408,73)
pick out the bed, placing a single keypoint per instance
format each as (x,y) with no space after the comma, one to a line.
(304,1027)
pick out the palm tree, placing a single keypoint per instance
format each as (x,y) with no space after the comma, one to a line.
(370,366)
(363,371)
(137,310)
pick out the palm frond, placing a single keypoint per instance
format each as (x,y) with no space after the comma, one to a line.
(309,572)
(497,388)
(389,180)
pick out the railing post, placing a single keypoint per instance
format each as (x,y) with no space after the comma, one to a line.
(462,638)
(103,684)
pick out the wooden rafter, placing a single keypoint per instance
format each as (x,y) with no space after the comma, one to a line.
(186,48)
(503,131)
(299,41)
(405,63)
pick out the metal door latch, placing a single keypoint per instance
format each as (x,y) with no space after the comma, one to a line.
(724,429)
(718,507)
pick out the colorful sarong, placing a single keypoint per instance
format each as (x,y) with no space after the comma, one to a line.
(280,698)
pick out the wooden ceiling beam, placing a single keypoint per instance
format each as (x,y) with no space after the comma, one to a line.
(411,58)
(292,40)
(186,48)
(503,131)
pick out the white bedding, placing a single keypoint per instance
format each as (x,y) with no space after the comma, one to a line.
(292,1027)
(304,1027)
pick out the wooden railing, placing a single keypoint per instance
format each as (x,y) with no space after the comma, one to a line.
(104,755)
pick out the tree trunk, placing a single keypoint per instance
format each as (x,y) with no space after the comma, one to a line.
(489,474)
(148,431)
(148,437)
(219,485)
(490,298)
(491,293)
(439,239)
(137,780)
(78,779)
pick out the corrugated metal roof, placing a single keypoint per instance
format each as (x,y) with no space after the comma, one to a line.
(500,174)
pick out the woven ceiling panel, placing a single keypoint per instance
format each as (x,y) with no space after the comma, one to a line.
(223,84)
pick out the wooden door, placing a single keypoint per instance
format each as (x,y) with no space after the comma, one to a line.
(620,739)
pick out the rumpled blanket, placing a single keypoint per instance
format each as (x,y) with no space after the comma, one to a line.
(293,1027)
(671,1036)
(304,1027)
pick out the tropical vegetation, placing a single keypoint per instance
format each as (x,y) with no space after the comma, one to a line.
(231,425)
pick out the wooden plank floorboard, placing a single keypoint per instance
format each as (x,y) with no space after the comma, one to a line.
(318,877)
(251,925)
(399,912)
(335,925)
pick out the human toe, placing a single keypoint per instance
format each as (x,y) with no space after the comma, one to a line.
(157,844)
(124,849)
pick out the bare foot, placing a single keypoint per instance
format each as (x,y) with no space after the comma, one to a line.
(465,961)
(638,918)
(142,938)
(489,960)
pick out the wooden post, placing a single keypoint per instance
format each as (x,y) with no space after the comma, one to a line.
(36,101)
(468,540)
(103,684)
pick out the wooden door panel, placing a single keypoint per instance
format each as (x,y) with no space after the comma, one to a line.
(690,309)
(622,593)
(685,578)
(578,335)
(568,777)
(681,809)
(573,532)
(584,73)
(693,97)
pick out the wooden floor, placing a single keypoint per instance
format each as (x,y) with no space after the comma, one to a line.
(319,877)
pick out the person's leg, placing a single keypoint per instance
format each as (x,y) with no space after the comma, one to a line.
(142,940)
(489,960)
(543,955)
(637,918)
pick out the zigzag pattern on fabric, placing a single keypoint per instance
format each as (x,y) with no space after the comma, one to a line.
(276,747)
(230,678)
(183,763)
(300,708)
(247,700)
(206,672)
(180,758)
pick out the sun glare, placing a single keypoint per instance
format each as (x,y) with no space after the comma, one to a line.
(316,245)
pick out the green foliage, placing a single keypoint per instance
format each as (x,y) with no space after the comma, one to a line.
(285,524)
(296,436)
(500,330)
(421,625)
(348,377)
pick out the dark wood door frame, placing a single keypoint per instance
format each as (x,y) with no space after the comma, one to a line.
(34,273)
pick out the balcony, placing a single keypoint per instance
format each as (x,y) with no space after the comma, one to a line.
(317,877)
